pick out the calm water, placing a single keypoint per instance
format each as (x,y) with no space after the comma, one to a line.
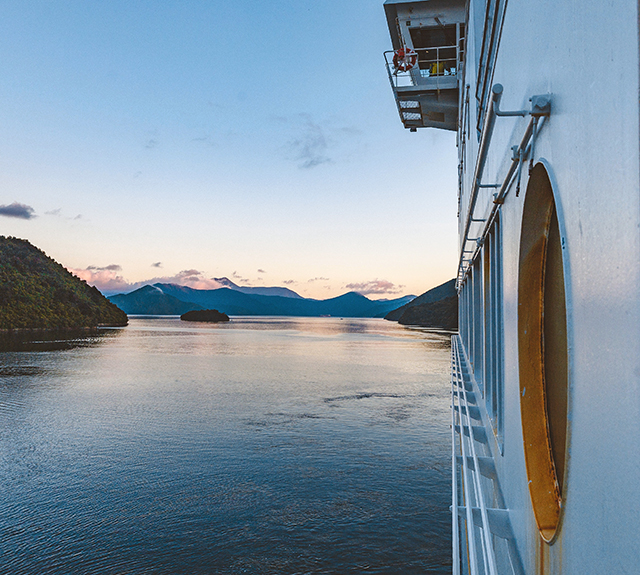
(275,446)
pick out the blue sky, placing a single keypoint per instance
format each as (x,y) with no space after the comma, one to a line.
(186,140)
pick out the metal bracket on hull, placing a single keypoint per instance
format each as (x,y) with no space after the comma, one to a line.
(497,91)
(540,108)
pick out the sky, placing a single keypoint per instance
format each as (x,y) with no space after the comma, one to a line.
(188,140)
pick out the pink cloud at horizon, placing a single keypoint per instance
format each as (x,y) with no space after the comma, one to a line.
(107,279)
(378,287)
(102,278)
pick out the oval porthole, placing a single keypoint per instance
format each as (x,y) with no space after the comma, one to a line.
(542,351)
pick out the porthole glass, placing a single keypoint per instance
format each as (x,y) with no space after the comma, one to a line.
(542,350)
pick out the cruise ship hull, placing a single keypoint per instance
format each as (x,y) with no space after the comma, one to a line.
(546,366)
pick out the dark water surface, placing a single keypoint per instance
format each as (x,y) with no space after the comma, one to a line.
(278,446)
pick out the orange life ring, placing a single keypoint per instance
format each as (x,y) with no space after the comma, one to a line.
(404,59)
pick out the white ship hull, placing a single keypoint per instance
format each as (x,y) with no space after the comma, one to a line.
(549,284)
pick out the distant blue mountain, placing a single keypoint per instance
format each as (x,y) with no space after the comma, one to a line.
(150,300)
(160,298)
(281,291)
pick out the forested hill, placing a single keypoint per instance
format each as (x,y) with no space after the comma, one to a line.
(436,308)
(37,292)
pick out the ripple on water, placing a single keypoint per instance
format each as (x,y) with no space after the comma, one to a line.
(223,452)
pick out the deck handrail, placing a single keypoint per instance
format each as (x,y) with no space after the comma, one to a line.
(396,75)
(488,552)
(468,467)
(471,479)
(454,477)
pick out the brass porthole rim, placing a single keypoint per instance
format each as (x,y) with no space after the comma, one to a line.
(542,298)
(568,299)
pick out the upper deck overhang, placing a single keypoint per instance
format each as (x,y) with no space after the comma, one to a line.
(422,13)
(426,86)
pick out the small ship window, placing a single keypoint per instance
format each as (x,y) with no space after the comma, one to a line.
(478,325)
(494,326)
(542,351)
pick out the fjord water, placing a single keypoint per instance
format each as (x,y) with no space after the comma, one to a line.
(261,446)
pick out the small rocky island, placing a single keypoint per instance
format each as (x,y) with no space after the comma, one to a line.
(210,315)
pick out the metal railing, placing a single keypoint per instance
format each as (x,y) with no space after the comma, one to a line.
(480,561)
(480,520)
(435,62)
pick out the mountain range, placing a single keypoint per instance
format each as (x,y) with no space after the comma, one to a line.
(281,291)
(173,299)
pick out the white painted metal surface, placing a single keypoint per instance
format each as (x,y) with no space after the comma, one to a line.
(585,56)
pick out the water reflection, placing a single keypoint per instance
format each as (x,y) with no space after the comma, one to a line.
(314,325)
(265,446)
(53,340)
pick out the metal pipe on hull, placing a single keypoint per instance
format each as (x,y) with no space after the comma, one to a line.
(487,131)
